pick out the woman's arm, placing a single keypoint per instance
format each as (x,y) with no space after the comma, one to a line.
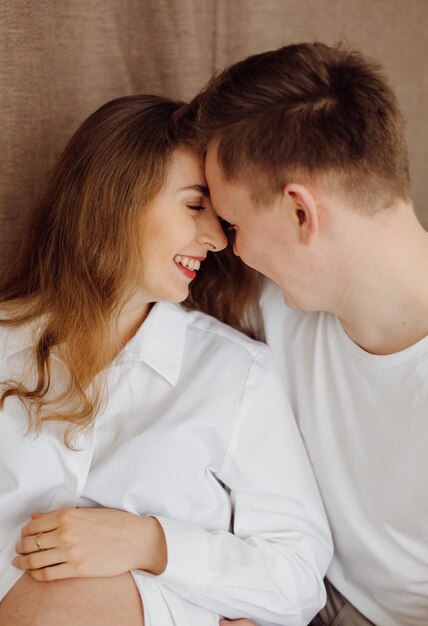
(271,569)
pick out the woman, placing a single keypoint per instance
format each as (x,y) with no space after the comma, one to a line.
(165,427)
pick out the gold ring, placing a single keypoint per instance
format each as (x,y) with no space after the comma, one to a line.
(39,547)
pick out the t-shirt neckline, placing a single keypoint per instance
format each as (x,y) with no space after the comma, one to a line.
(396,359)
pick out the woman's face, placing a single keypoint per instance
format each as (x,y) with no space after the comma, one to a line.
(180,228)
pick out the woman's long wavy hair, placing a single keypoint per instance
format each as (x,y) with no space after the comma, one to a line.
(80,256)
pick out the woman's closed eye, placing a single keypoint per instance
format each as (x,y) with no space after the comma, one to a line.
(196,207)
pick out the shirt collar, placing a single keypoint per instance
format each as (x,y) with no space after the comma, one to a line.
(159,342)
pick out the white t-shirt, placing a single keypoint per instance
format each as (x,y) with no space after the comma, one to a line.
(197,431)
(364,420)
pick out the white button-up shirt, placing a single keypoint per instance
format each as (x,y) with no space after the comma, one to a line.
(196,431)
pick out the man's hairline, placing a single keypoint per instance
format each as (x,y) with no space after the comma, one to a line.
(325,180)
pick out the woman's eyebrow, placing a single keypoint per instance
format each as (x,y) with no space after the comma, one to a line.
(202,189)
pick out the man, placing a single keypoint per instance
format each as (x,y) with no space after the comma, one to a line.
(307,161)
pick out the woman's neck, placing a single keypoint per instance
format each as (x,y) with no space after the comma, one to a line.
(129,321)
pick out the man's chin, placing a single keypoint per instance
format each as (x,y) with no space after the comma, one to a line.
(292,303)
(289,301)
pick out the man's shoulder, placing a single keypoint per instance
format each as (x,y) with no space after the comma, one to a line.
(277,314)
(295,337)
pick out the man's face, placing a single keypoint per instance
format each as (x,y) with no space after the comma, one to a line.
(263,234)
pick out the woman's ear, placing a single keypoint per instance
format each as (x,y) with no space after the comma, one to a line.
(304,211)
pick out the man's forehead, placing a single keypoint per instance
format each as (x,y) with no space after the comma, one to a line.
(216,179)
(212,167)
(229,198)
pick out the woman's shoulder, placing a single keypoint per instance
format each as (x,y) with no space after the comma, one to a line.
(227,357)
(210,330)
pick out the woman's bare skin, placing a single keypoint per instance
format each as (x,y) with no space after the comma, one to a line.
(112,601)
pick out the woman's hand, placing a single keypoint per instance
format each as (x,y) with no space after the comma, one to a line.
(87,543)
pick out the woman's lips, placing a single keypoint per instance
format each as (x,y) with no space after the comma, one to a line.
(186,271)
(188,265)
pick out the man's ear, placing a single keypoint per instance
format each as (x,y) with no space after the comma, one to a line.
(304,210)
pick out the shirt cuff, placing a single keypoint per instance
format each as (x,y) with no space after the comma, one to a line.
(187,553)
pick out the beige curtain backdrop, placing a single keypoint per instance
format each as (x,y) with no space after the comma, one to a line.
(61,59)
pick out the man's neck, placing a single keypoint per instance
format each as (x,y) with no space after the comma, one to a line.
(384,307)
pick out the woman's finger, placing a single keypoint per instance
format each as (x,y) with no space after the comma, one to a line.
(40,525)
(36,543)
(37,560)
(46,522)
(56,572)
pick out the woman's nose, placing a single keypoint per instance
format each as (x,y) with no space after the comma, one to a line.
(212,233)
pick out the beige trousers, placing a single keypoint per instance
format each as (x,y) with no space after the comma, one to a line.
(338,611)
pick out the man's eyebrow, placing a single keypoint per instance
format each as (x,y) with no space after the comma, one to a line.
(202,189)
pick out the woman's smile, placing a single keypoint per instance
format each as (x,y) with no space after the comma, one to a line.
(188,265)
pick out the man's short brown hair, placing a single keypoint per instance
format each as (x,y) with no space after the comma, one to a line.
(303,112)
